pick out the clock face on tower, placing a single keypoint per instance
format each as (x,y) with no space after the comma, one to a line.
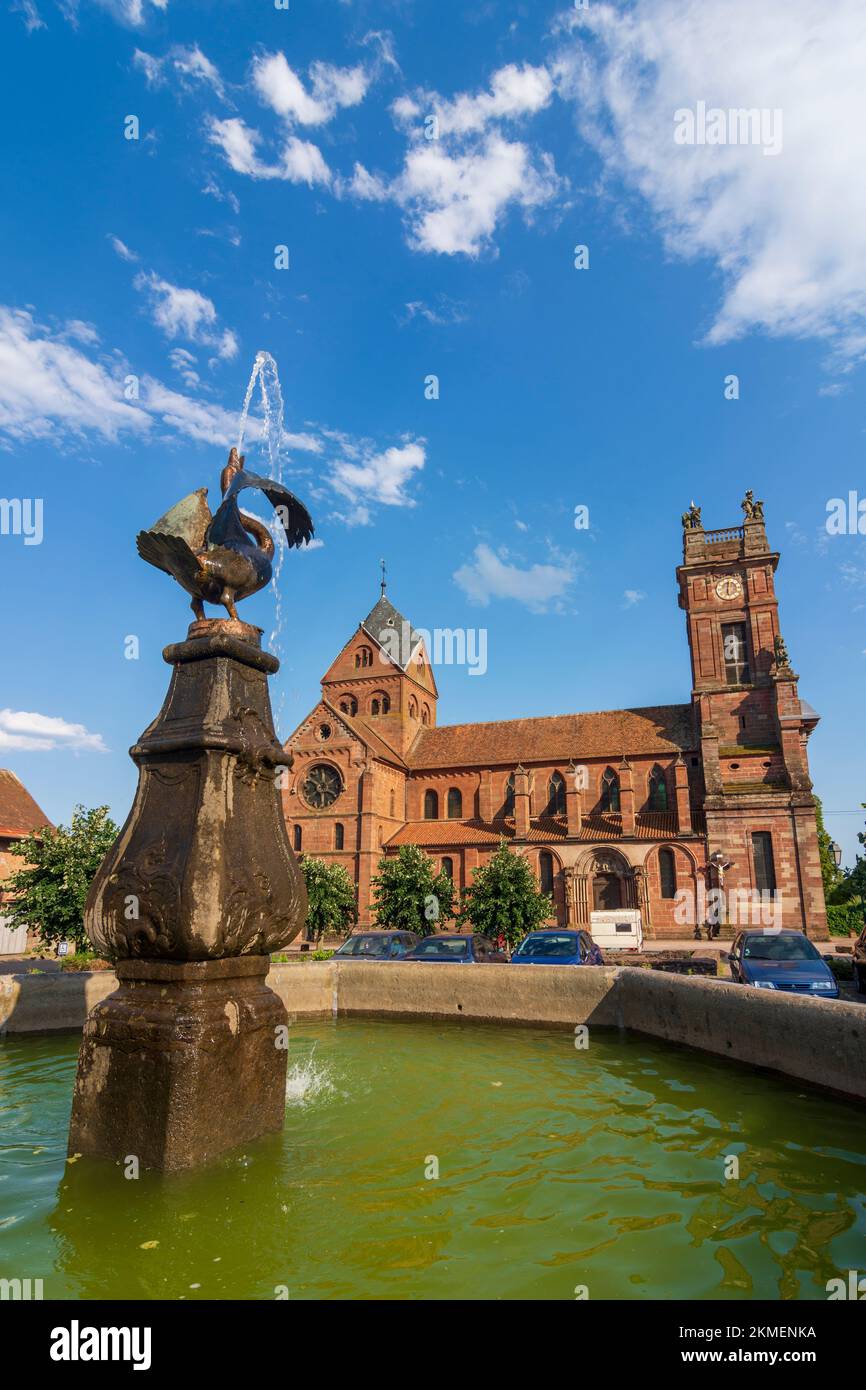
(729,587)
(321,786)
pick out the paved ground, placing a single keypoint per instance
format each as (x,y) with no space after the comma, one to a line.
(19,965)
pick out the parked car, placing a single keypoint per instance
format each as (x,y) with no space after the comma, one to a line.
(377,945)
(786,960)
(459,949)
(858,961)
(555,947)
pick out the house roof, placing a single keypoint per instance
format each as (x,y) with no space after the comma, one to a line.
(559,737)
(19,813)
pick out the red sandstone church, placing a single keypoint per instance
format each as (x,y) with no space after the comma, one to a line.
(628,808)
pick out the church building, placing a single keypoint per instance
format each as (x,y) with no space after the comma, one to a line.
(660,809)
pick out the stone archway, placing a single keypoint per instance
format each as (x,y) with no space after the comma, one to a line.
(603,878)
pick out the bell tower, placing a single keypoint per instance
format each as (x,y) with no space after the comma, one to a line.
(753,726)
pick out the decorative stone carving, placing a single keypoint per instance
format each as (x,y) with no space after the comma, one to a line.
(184,1060)
(202,869)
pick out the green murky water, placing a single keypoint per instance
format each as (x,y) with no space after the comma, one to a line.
(557,1168)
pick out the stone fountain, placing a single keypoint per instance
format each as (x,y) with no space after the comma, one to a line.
(187,1058)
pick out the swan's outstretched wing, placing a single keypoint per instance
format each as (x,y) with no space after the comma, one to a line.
(189,518)
(169,553)
(293,515)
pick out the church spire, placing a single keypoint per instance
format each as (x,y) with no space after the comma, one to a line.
(382,582)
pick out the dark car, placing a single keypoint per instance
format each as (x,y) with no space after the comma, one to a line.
(458,949)
(555,947)
(859,963)
(784,960)
(377,945)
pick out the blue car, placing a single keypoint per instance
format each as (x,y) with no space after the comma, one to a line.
(457,948)
(781,960)
(376,945)
(556,947)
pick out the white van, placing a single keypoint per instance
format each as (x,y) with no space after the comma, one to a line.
(617,929)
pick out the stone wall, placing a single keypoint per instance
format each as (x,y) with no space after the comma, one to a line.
(821,1042)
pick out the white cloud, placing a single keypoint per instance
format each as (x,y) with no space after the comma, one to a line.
(365,186)
(455,200)
(280,87)
(303,162)
(80,331)
(191,66)
(52,389)
(238,143)
(38,733)
(184,364)
(514,92)
(489,576)
(456,187)
(632,596)
(367,475)
(449,312)
(785,231)
(121,248)
(46,381)
(185,313)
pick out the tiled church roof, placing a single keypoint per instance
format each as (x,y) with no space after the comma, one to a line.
(439,834)
(382,616)
(559,737)
(19,813)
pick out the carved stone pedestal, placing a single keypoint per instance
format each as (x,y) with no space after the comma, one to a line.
(180,1064)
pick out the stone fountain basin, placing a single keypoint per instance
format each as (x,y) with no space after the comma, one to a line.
(821,1042)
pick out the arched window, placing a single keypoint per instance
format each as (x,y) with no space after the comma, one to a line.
(381,837)
(391,801)
(363,657)
(508,802)
(658,790)
(556,795)
(425,714)
(338,836)
(297,835)
(386,704)
(609,790)
(455,804)
(668,873)
(431,805)
(349,705)
(545,871)
(448,867)
(413,708)
(374,706)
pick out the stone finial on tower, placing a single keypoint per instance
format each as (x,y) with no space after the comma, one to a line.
(752,510)
(383,582)
(692,519)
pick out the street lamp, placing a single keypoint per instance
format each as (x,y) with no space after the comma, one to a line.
(836,851)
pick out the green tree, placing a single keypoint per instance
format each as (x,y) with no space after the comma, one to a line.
(503,900)
(51,891)
(331,904)
(831,875)
(409,894)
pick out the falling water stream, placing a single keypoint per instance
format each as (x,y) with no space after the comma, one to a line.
(265,373)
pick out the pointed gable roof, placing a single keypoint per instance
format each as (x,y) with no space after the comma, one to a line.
(382,619)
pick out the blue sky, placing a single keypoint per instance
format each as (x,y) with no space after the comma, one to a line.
(409,257)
